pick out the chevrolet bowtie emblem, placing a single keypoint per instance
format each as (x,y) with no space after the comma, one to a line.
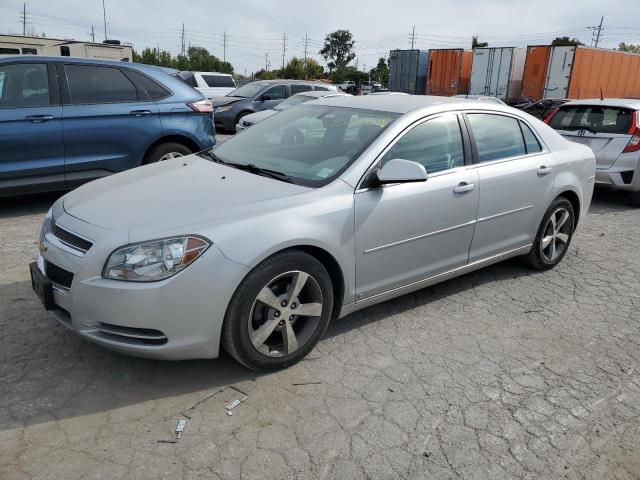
(42,247)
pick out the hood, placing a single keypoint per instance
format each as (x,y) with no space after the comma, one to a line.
(177,190)
(220,101)
(258,116)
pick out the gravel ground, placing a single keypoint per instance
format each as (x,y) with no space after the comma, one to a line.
(500,374)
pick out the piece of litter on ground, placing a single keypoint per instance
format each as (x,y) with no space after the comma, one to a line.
(233,404)
(229,412)
(167,441)
(306,383)
(198,402)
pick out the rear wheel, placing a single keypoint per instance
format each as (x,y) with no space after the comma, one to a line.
(166,151)
(279,312)
(553,237)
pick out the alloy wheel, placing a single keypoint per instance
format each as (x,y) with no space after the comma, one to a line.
(285,314)
(556,235)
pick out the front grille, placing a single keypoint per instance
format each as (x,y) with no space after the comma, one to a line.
(71,239)
(58,275)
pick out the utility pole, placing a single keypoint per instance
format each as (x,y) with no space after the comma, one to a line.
(182,49)
(104,18)
(224,46)
(306,45)
(599,30)
(158,53)
(413,37)
(23,18)
(284,49)
(266,62)
(93,35)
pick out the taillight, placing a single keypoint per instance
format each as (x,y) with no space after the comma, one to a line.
(202,106)
(634,143)
(550,115)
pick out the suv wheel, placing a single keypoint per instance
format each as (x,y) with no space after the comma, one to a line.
(554,236)
(279,312)
(166,151)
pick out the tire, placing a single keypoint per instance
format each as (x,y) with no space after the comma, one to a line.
(550,246)
(633,199)
(238,118)
(255,333)
(164,151)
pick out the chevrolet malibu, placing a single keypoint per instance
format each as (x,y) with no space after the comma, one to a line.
(314,213)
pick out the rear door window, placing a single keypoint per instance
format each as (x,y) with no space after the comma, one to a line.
(300,88)
(496,136)
(595,119)
(91,84)
(219,81)
(24,85)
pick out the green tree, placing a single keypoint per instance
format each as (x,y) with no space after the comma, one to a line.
(294,69)
(623,47)
(566,41)
(380,72)
(267,75)
(338,49)
(314,69)
(476,44)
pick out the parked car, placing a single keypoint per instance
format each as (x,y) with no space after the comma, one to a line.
(292,101)
(65,121)
(369,86)
(348,86)
(257,96)
(611,128)
(541,108)
(210,84)
(482,98)
(264,240)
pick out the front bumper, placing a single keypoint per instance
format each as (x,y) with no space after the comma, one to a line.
(174,319)
(624,174)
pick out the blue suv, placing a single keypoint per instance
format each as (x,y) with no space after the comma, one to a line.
(65,121)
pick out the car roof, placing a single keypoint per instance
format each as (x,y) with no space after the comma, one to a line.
(321,94)
(92,61)
(304,82)
(607,102)
(401,103)
(213,73)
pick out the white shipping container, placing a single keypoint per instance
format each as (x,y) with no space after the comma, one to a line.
(497,72)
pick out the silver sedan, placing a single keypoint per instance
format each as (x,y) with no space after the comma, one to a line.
(308,216)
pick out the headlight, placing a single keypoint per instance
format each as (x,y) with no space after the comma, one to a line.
(46,224)
(225,108)
(154,260)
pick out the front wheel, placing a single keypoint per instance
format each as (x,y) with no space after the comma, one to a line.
(166,151)
(553,237)
(279,312)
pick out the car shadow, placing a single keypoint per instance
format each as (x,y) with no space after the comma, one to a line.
(22,205)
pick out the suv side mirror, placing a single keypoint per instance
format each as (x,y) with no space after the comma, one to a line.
(264,98)
(401,171)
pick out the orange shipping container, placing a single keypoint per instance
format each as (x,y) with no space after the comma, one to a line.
(580,72)
(449,71)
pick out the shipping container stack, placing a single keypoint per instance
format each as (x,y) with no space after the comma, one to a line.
(408,71)
(449,71)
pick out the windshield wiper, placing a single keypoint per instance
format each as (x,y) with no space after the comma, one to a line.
(265,172)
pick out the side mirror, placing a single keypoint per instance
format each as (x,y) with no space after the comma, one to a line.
(401,171)
(264,98)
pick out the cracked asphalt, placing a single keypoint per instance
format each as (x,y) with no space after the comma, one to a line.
(500,374)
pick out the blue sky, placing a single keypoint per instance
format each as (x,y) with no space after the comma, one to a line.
(256,27)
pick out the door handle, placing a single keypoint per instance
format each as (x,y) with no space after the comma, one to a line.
(464,187)
(39,118)
(140,113)
(544,170)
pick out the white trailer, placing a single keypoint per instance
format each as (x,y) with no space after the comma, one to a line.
(19,45)
(497,72)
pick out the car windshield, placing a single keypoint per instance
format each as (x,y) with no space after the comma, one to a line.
(248,90)
(595,119)
(293,101)
(311,144)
